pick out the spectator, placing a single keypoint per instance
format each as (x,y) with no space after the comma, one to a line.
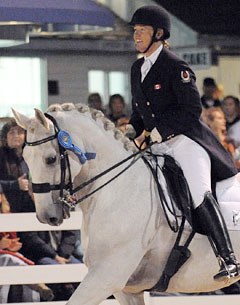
(95,101)
(231,109)
(210,93)
(215,119)
(52,248)
(116,106)
(10,256)
(13,169)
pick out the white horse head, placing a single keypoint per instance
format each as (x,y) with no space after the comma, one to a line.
(126,237)
(42,152)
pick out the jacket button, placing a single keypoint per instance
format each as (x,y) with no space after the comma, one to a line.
(136,104)
(171,136)
(142,116)
(153,115)
(148,103)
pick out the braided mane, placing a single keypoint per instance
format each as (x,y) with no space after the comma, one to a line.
(95,115)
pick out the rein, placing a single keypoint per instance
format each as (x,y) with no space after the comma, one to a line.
(138,154)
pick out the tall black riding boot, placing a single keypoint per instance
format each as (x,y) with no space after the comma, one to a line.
(212,224)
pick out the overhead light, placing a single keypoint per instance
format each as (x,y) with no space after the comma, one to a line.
(5,43)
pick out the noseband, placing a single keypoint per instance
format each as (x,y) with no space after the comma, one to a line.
(64,144)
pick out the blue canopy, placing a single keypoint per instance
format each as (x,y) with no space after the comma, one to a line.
(82,12)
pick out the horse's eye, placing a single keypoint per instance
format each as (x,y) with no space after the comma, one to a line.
(51,160)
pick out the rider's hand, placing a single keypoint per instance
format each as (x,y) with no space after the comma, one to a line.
(130,132)
(155,136)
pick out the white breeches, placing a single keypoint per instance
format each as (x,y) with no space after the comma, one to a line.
(196,166)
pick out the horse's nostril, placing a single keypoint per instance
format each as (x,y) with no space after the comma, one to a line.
(54,221)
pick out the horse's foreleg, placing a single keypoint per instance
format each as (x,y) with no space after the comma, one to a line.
(130,298)
(105,278)
(94,288)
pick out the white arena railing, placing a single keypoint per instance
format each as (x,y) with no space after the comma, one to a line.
(75,273)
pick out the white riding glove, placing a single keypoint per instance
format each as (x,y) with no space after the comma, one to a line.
(155,135)
(130,132)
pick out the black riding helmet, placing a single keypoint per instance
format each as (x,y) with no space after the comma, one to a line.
(155,16)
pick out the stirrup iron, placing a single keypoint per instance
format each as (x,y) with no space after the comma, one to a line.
(225,272)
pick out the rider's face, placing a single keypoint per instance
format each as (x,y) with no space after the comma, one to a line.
(142,37)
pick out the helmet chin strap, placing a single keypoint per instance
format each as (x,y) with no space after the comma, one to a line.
(154,39)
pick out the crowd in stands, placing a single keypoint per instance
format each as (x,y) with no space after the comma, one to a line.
(222,115)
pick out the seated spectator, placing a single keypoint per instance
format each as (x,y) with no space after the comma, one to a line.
(215,119)
(116,106)
(10,246)
(51,248)
(231,109)
(95,101)
(14,170)
(210,93)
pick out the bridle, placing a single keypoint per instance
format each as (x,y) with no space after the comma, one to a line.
(64,143)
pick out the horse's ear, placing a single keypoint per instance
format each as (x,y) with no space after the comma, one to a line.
(21,119)
(41,118)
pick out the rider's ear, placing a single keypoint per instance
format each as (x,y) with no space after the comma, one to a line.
(41,118)
(159,33)
(21,119)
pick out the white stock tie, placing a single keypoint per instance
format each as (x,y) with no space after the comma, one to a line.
(146,66)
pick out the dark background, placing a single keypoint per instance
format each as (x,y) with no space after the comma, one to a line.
(213,17)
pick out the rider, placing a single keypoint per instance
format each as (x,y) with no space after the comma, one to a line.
(166,104)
